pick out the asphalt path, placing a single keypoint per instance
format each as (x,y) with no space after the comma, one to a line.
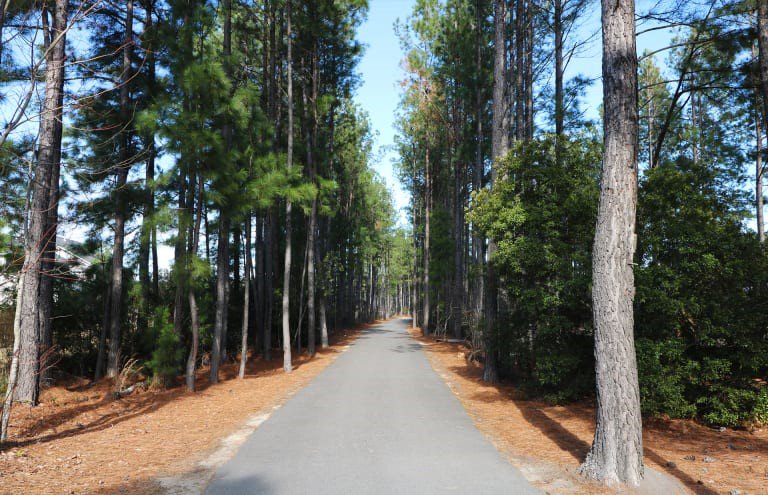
(376,421)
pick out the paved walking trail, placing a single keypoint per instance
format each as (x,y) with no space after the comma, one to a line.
(377,421)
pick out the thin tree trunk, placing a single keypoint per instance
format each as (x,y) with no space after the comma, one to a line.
(529,39)
(559,97)
(269,256)
(121,207)
(246,298)
(218,352)
(287,365)
(616,455)
(500,146)
(759,206)
(13,373)
(191,296)
(427,211)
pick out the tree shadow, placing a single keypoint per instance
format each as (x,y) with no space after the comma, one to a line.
(138,404)
(533,413)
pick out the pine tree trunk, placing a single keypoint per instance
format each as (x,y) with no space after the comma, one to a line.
(29,334)
(427,210)
(269,264)
(218,352)
(49,257)
(500,146)
(529,113)
(762,42)
(559,97)
(287,365)
(759,206)
(616,455)
(479,167)
(246,298)
(121,207)
(194,312)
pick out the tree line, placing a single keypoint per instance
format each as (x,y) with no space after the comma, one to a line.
(225,131)
(631,245)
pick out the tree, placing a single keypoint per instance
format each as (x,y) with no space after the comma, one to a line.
(616,455)
(287,365)
(23,382)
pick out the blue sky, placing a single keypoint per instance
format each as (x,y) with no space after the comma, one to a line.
(379,93)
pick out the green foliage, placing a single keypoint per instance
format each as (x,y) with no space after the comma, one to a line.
(167,354)
(701,288)
(541,213)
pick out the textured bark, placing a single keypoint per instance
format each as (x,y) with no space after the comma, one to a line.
(222,283)
(759,172)
(269,257)
(479,165)
(500,146)
(121,205)
(189,372)
(519,72)
(427,214)
(13,373)
(246,299)
(147,222)
(529,40)
(559,97)
(287,366)
(49,257)
(616,455)
(762,39)
(218,352)
(29,336)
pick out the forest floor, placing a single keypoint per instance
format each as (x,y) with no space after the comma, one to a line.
(79,440)
(536,434)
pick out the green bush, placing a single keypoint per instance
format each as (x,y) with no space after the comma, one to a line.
(167,354)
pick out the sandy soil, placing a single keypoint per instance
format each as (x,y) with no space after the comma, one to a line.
(556,438)
(80,441)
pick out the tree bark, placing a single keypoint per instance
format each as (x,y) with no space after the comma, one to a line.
(762,43)
(194,312)
(29,337)
(559,97)
(246,298)
(616,455)
(218,351)
(500,146)
(121,206)
(287,365)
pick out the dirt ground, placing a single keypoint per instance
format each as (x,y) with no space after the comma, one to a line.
(81,441)
(705,460)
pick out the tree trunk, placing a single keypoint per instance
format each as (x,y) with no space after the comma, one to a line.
(500,146)
(427,211)
(218,352)
(616,455)
(760,209)
(762,42)
(191,296)
(287,366)
(29,337)
(121,207)
(246,298)
(559,97)
(269,256)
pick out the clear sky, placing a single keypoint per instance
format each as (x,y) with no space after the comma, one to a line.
(379,93)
